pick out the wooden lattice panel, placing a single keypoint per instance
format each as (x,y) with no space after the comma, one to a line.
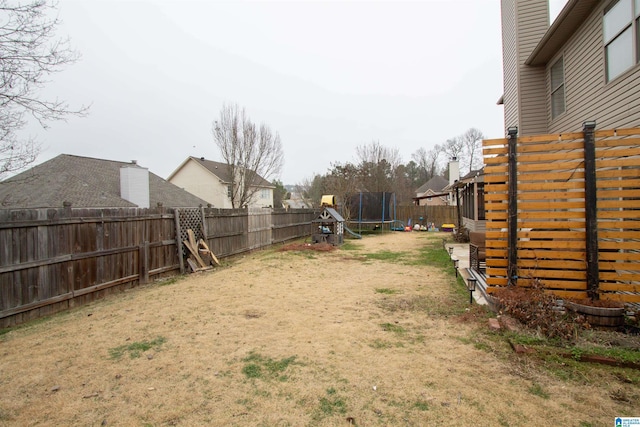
(190,219)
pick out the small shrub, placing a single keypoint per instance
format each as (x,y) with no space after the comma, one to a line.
(461,235)
(538,310)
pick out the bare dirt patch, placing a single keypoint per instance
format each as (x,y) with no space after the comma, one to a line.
(304,246)
(292,338)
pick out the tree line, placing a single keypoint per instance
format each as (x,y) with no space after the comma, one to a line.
(379,168)
(254,152)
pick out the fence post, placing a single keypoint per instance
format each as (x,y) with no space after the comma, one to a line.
(176,213)
(458,210)
(590,208)
(512,266)
(205,232)
(143,263)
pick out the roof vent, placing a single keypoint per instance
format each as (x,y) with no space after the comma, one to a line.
(134,162)
(202,158)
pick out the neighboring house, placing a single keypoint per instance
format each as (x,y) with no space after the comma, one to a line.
(471,191)
(85,182)
(212,182)
(446,192)
(582,67)
(432,192)
(296,201)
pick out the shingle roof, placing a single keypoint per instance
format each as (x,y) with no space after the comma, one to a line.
(473,174)
(435,184)
(221,170)
(85,182)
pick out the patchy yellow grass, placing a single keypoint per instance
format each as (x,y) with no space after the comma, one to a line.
(286,338)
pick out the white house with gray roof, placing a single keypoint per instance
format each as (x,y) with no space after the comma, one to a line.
(432,192)
(212,182)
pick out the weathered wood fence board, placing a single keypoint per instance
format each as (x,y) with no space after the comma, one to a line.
(259,229)
(53,259)
(291,224)
(227,231)
(552,230)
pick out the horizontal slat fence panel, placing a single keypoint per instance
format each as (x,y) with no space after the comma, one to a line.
(551,233)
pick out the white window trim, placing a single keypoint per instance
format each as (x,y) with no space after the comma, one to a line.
(634,26)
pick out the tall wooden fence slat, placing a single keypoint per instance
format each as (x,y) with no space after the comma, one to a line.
(259,228)
(551,227)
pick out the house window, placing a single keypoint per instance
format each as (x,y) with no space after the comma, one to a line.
(229,190)
(621,35)
(264,194)
(557,88)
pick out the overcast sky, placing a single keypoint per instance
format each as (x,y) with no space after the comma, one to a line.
(328,76)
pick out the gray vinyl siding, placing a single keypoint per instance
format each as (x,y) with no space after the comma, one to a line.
(532,23)
(533,105)
(587,95)
(510,63)
(524,22)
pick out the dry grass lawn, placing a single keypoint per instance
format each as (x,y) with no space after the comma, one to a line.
(361,335)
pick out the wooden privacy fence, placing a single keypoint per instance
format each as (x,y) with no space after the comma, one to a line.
(53,259)
(437,214)
(565,210)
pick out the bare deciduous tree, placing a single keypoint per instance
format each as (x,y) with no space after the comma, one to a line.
(471,141)
(251,153)
(420,158)
(310,191)
(454,148)
(342,181)
(428,161)
(377,165)
(29,52)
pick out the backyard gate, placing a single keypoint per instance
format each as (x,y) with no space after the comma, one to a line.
(564,209)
